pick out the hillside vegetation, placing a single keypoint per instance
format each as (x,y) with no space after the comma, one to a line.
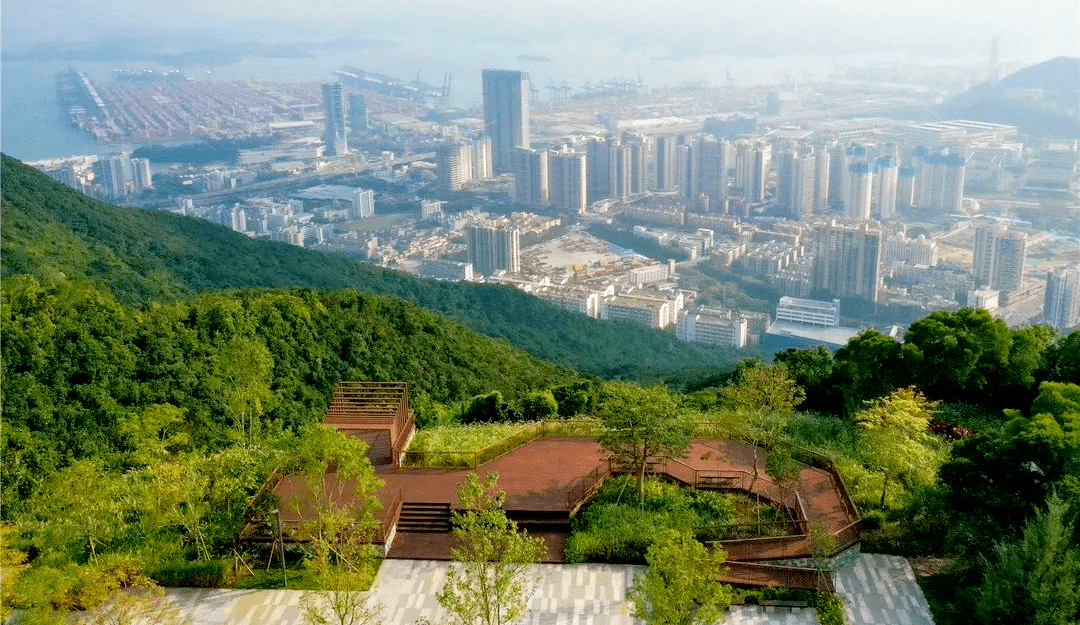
(53,232)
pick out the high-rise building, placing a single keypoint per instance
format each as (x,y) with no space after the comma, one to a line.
(621,166)
(838,172)
(847,260)
(116,175)
(453,163)
(752,162)
(885,198)
(1062,308)
(796,182)
(905,188)
(238,219)
(335,135)
(598,162)
(860,191)
(667,171)
(494,249)
(999,257)
(713,161)
(822,170)
(482,168)
(363,204)
(939,180)
(144,178)
(531,176)
(358,115)
(568,180)
(506,114)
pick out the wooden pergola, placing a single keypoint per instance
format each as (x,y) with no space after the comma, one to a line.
(377,412)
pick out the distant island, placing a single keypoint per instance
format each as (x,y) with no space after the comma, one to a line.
(534,58)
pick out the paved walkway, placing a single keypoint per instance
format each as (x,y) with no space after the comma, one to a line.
(877,589)
(882,589)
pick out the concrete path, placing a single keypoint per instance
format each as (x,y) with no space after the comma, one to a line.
(882,589)
(877,590)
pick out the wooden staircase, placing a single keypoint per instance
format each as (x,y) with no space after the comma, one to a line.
(424,517)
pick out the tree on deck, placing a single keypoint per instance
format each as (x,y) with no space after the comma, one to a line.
(641,424)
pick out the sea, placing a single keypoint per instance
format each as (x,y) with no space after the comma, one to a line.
(33,127)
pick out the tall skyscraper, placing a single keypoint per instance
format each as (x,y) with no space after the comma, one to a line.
(999,257)
(620,164)
(506,114)
(531,176)
(796,181)
(144,178)
(568,180)
(886,179)
(822,170)
(335,135)
(860,191)
(599,168)
(847,260)
(939,179)
(116,174)
(666,165)
(713,161)
(752,168)
(494,249)
(1063,298)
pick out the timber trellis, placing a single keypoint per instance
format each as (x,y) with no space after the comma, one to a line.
(377,412)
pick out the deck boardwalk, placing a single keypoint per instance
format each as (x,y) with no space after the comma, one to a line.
(539,475)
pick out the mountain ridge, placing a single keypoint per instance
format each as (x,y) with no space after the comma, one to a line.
(53,232)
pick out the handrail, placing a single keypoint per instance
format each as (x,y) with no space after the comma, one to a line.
(391,519)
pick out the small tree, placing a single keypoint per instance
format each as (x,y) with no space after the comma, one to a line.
(337,526)
(895,432)
(680,586)
(641,424)
(1035,579)
(496,579)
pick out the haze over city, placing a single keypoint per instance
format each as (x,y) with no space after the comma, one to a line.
(782,295)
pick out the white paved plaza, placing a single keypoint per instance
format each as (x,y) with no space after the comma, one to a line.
(876,589)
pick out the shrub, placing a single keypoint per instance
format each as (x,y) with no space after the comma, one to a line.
(189,574)
(619,525)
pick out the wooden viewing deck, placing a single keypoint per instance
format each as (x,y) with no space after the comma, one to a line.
(549,478)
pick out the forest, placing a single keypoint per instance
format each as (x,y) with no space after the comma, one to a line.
(152,384)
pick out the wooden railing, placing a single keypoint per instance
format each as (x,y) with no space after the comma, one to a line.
(772,575)
(584,487)
(389,522)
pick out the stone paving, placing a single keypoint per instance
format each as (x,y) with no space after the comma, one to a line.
(882,589)
(878,590)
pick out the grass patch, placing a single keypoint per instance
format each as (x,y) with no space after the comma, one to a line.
(464,440)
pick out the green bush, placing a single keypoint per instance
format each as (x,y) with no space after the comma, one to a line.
(619,525)
(188,574)
(830,609)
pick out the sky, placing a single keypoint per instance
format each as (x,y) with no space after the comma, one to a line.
(1031,29)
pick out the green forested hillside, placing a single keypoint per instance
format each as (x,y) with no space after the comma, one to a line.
(51,231)
(77,365)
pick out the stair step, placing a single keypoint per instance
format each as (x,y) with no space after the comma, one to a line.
(424,517)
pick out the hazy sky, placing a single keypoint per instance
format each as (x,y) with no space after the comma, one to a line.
(1029,29)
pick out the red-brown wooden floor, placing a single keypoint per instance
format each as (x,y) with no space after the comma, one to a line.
(539,475)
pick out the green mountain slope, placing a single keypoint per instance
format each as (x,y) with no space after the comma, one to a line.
(51,231)
(80,370)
